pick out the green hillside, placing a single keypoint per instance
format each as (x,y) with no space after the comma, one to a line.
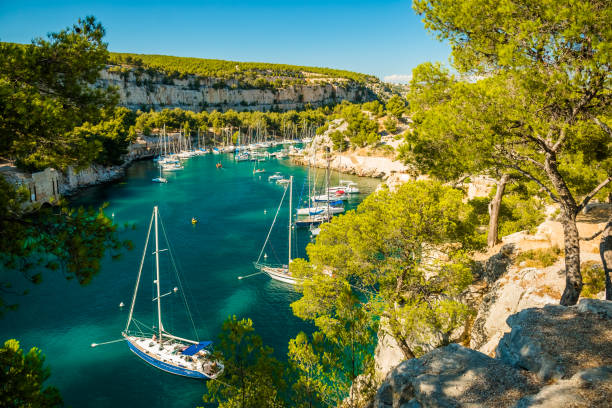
(241,71)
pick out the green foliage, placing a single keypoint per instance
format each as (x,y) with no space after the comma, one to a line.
(244,74)
(594,278)
(271,122)
(51,115)
(519,33)
(390,125)
(251,377)
(374,107)
(362,130)
(53,238)
(442,139)
(22,377)
(107,141)
(520,209)
(45,92)
(339,141)
(340,349)
(520,213)
(539,258)
(547,88)
(381,255)
(396,106)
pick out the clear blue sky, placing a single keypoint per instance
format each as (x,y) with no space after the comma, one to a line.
(382,38)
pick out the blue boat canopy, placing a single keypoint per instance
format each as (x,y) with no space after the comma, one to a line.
(194,348)
(339,202)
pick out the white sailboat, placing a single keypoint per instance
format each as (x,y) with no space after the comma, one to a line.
(157,346)
(160,179)
(280,272)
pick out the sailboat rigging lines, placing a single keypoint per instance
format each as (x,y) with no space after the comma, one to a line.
(280,272)
(163,350)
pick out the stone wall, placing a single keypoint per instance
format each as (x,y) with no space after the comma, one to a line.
(44,186)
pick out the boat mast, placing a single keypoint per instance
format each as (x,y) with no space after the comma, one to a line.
(290,208)
(159,321)
(327,176)
(144,254)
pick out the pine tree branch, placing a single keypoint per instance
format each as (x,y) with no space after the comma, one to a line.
(531,177)
(592,237)
(596,190)
(602,125)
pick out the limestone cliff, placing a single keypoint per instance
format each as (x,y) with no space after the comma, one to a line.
(554,356)
(518,325)
(143,90)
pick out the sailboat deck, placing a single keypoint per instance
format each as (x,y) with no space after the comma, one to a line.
(170,352)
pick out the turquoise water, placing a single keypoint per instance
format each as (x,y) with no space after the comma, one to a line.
(63,319)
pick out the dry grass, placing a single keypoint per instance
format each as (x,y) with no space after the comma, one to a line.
(546,290)
(593,277)
(539,258)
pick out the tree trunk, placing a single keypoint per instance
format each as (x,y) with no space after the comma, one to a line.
(494,206)
(605,250)
(569,210)
(573,277)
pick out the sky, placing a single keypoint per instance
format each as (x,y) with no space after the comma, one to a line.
(383,38)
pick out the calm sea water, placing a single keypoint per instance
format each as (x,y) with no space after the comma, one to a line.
(234,209)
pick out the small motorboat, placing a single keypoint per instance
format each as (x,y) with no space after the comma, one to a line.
(346,186)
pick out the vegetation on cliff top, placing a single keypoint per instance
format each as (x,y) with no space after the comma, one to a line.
(246,74)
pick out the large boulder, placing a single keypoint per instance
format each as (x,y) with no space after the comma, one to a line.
(556,342)
(590,388)
(453,376)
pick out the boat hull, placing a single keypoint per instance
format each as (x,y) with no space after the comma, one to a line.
(279,275)
(170,368)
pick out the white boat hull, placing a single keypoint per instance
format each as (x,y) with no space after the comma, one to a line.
(323,209)
(324,198)
(280,274)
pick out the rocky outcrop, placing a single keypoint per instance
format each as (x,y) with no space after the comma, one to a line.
(49,185)
(157,92)
(588,388)
(73,180)
(453,376)
(570,345)
(365,162)
(354,163)
(555,342)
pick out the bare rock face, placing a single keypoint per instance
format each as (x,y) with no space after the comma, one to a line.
(599,307)
(555,342)
(452,376)
(590,388)
(213,93)
(555,356)
(513,291)
(387,355)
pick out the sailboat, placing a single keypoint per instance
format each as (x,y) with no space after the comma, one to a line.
(161,349)
(258,170)
(280,272)
(160,179)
